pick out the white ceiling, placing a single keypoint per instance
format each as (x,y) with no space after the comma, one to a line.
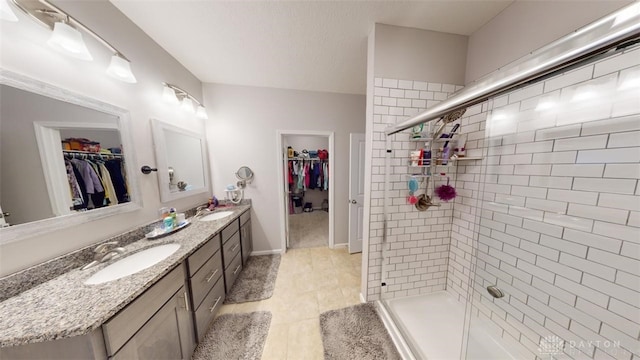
(305,45)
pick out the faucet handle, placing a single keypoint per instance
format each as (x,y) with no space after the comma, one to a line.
(102,248)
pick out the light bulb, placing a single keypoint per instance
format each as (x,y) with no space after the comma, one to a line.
(69,40)
(120,69)
(201,113)
(169,95)
(187,104)
(5,11)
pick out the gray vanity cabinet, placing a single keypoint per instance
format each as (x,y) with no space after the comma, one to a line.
(245,236)
(207,284)
(156,325)
(231,253)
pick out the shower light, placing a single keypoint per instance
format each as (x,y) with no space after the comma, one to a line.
(169,95)
(68,40)
(187,105)
(201,113)
(120,69)
(5,11)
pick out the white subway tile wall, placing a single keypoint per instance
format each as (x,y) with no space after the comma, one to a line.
(567,255)
(417,246)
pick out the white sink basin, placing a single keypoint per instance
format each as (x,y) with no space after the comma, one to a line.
(133,263)
(216,216)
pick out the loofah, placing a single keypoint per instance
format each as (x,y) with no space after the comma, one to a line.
(446,192)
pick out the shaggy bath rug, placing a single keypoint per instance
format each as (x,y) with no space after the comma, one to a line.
(256,281)
(356,333)
(234,337)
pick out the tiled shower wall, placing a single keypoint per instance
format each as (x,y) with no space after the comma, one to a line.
(417,248)
(555,211)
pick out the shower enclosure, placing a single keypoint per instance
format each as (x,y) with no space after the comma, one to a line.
(538,255)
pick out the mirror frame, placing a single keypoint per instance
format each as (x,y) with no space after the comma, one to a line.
(166,195)
(22,231)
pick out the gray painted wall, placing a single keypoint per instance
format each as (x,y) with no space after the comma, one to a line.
(413,54)
(526,26)
(242,131)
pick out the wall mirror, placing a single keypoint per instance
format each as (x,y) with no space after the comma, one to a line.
(48,184)
(181,161)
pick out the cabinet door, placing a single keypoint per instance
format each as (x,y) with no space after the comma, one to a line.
(168,334)
(247,244)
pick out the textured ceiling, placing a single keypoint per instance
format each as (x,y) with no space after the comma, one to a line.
(305,45)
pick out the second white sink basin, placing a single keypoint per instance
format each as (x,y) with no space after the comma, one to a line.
(216,215)
(133,263)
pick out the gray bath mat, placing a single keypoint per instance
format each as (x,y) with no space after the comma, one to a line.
(256,281)
(357,333)
(235,336)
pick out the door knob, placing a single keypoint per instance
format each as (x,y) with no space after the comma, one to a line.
(354,202)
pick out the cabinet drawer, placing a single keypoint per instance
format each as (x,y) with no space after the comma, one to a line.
(120,328)
(208,309)
(231,229)
(230,249)
(198,258)
(245,217)
(205,278)
(232,272)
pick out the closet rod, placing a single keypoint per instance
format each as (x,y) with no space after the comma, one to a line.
(79,154)
(612,33)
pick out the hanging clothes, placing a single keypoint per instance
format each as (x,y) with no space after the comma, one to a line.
(115,172)
(83,189)
(77,200)
(110,191)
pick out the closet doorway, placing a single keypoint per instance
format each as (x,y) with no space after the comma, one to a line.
(306,189)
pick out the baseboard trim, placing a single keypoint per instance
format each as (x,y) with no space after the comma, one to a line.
(394,332)
(340,245)
(362,299)
(266,252)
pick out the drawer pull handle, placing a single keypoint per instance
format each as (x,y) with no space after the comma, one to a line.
(215,304)
(212,275)
(236,270)
(235,247)
(186,301)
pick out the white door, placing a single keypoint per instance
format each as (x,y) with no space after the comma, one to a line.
(356,191)
(285,166)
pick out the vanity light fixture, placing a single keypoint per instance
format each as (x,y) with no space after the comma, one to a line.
(6,13)
(175,95)
(187,105)
(67,37)
(201,113)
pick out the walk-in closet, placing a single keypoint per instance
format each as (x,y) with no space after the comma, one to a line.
(307,182)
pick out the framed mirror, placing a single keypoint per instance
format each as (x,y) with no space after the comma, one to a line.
(47,183)
(181,157)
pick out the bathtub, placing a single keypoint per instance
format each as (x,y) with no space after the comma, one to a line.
(430,327)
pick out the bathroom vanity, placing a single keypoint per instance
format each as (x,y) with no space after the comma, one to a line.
(160,312)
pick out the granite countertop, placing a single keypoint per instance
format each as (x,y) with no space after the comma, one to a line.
(65,307)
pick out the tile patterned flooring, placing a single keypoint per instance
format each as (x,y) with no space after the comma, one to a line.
(309,282)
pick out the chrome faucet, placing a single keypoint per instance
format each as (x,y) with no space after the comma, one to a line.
(202,210)
(102,253)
